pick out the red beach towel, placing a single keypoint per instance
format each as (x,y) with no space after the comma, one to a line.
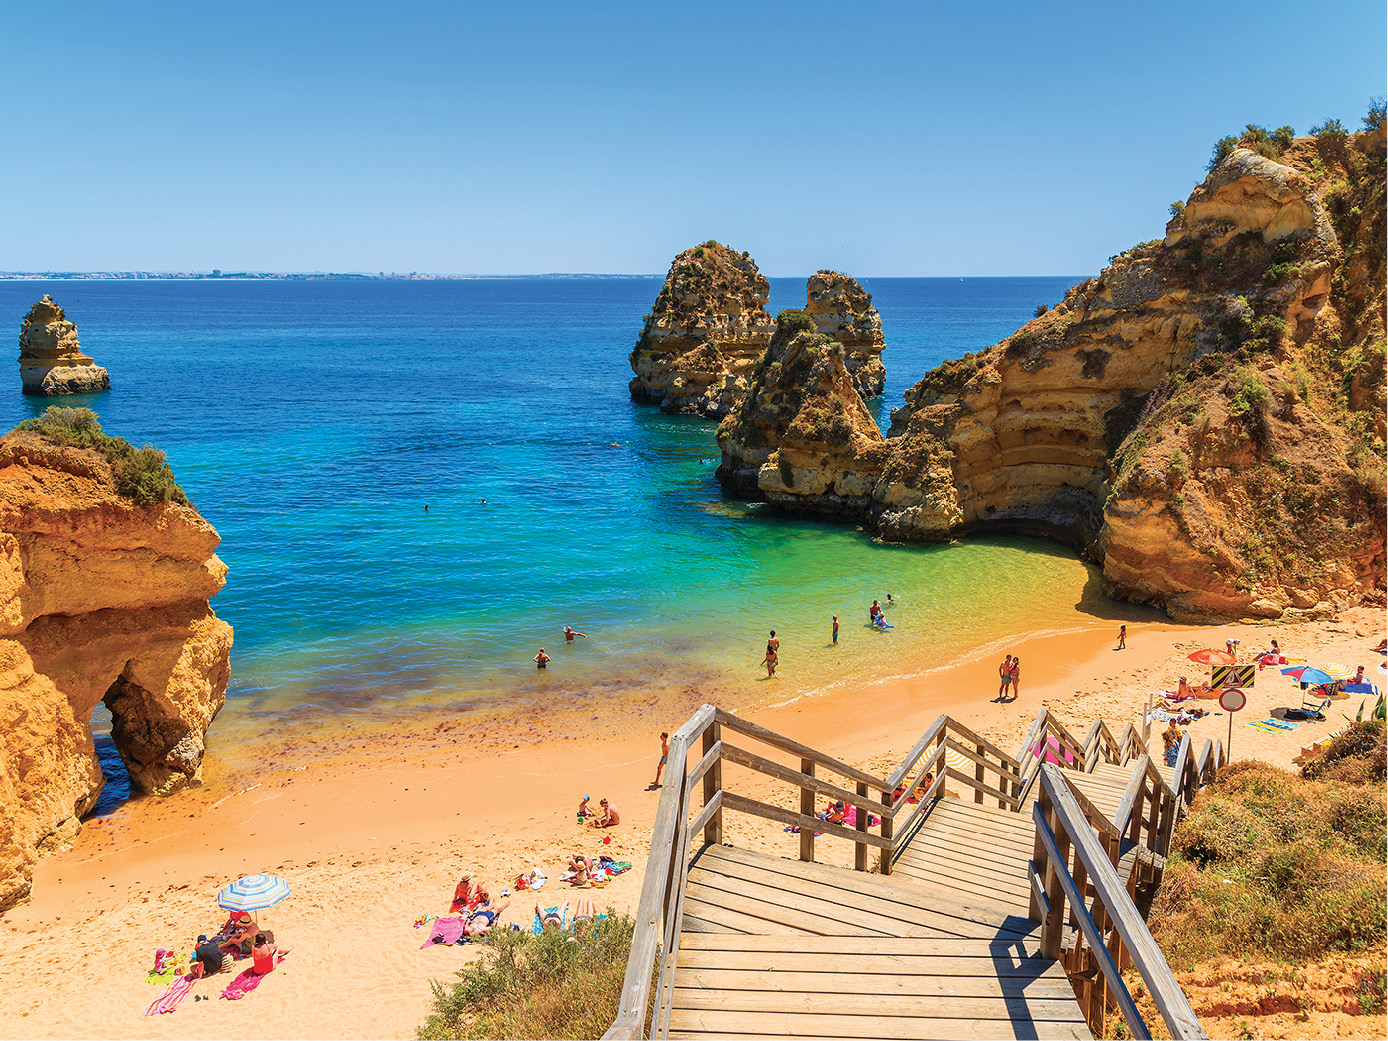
(171,998)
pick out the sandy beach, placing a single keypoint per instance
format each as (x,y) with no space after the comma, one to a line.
(373,825)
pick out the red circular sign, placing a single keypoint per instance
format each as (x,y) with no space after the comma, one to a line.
(1232,699)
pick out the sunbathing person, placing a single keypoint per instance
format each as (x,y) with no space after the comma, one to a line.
(834,815)
(482,920)
(552,919)
(263,953)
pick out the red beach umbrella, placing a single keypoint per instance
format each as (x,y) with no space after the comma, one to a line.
(1212,657)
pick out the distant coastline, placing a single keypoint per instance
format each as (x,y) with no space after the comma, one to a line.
(217,275)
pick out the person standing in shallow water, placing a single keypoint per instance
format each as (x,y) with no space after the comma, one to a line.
(836,628)
(541,659)
(1004,676)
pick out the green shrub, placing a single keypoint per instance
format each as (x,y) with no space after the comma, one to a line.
(1331,131)
(1221,151)
(1277,272)
(1178,208)
(1283,137)
(141,475)
(794,321)
(1040,310)
(552,985)
(1247,393)
(1373,119)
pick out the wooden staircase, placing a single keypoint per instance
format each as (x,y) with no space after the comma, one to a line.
(1003,903)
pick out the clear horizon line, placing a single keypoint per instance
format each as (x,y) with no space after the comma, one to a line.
(112,274)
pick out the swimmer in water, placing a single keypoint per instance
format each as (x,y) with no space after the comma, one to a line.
(569,634)
(541,659)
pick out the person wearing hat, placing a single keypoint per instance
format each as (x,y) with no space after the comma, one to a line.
(466,894)
(238,935)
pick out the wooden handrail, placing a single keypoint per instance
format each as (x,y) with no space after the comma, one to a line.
(664,879)
(1061,827)
(1004,757)
(733,754)
(785,744)
(917,750)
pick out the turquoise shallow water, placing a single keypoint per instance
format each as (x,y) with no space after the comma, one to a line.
(311,422)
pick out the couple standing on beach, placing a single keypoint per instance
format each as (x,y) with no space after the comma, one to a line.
(1009,672)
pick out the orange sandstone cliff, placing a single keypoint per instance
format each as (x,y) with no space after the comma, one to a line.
(1205,419)
(101,599)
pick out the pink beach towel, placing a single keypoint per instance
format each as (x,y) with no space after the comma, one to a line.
(1053,746)
(171,998)
(448,930)
(243,985)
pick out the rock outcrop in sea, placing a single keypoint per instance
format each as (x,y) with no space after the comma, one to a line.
(803,437)
(51,361)
(1205,418)
(705,334)
(842,310)
(102,599)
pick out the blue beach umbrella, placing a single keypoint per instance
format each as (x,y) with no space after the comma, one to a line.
(253,893)
(1308,674)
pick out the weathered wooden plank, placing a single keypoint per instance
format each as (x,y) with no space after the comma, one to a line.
(1016,949)
(944,912)
(892,923)
(700,1022)
(716,914)
(806,964)
(947,1006)
(845,981)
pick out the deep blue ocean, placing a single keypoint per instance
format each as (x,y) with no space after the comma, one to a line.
(313,421)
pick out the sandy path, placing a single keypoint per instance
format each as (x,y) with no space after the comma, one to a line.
(377,832)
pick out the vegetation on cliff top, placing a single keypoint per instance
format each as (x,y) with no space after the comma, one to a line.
(141,475)
(524,986)
(1272,866)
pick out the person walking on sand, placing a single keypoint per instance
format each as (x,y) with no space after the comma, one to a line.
(1122,636)
(569,634)
(1016,675)
(1004,676)
(541,659)
(836,628)
(664,755)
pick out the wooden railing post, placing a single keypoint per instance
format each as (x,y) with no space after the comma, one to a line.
(860,850)
(713,784)
(1053,928)
(887,833)
(807,808)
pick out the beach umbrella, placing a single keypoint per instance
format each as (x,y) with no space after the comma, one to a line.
(1383,666)
(252,893)
(1212,657)
(1308,674)
(1337,671)
(955,761)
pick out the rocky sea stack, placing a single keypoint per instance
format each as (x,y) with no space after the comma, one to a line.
(842,310)
(51,361)
(705,334)
(105,575)
(1205,419)
(803,438)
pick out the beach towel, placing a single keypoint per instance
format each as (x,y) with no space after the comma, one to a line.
(445,931)
(1280,724)
(1259,725)
(243,985)
(171,998)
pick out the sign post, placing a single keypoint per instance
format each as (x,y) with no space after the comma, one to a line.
(1231,700)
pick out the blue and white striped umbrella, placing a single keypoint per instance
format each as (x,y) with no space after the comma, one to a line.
(253,893)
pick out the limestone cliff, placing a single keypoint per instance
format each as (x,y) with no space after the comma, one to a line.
(51,361)
(102,598)
(1205,418)
(1182,417)
(705,334)
(802,437)
(842,310)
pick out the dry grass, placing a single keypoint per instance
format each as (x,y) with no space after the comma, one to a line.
(555,985)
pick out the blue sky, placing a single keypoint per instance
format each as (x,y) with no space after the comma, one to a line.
(877,138)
